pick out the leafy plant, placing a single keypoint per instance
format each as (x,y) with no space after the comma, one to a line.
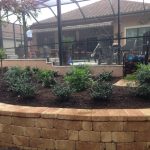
(143,91)
(143,74)
(79,78)
(35,70)
(105,76)
(62,91)
(131,77)
(101,90)
(143,77)
(20,83)
(47,78)
(2,56)
(23,88)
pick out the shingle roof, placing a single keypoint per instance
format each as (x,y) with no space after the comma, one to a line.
(102,8)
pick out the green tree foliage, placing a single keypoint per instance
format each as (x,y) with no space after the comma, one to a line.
(2,56)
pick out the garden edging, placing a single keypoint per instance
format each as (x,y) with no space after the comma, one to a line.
(41,128)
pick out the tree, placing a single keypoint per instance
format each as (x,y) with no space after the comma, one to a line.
(2,56)
(17,7)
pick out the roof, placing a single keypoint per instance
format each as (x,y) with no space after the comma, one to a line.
(102,8)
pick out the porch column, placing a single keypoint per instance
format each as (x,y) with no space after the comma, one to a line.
(59,31)
(119,36)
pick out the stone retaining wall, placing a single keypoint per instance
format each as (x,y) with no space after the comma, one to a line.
(41,63)
(29,128)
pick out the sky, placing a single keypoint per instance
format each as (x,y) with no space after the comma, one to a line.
(46,13)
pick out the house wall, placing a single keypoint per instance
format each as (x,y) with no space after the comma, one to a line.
(131,21)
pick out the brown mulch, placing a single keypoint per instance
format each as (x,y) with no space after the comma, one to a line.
(121,98)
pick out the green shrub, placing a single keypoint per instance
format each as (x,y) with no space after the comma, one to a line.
(143,91)
(131,77)
(35,70)
(13,73)
(101,90)
(62,91)
(23,88)
(105,76)
(2,56)
(143,74)
(28,71)
(20,82)
(46,77)
(79,78)
(143,77)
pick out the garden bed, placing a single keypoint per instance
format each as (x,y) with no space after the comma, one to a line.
(121,98)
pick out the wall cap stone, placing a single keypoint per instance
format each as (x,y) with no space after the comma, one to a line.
(75,114)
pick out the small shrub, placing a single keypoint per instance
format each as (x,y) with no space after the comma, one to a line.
(101,90)
(143,74)
(23,88)
(143,91)
(62,91)
(47,78)
(28,71)
(20,83)
(79,78)
(2,56)
(143,78)
(105,76)
(35,70)
(131,77)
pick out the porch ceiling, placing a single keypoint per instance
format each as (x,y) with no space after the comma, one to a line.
(84,26)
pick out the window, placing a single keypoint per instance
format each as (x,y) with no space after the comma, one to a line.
(134,41)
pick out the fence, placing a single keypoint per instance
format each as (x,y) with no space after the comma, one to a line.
(90,51)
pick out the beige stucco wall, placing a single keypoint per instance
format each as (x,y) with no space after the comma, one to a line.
(140,20)
(117,70)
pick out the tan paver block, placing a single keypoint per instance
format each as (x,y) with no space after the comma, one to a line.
(31,112)
(90,136)
(7,109)
(25,122)
(32,132)
(132,146)
(75,114)
(44,123)
(73,135)
(17,130)
(4,145)
(87,126)
(26,148)
(135,115)
(20,140)
(108,126)
(88,146)
(137,126)
(110,146)
(42,143)
(54,134)
(106,137)
(5,119)
(123,136)
(64,124)
(100,115)
(5,128)
(5,138)
(64,145)
(146,113)
(51,113)
(117,115)
(142,136)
